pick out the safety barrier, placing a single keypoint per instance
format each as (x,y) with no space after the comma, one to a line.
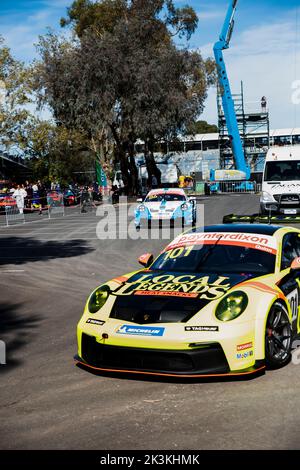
(14,214)
(229,187)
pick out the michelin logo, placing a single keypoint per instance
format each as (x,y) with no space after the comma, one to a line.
(140,331)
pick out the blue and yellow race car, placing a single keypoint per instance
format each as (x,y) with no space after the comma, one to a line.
(222,301)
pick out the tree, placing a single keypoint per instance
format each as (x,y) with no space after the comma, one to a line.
(201,127)
(103,16)
(57,153)
(124,79)
(15,88)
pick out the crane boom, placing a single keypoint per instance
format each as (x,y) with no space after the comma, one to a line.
(227,100)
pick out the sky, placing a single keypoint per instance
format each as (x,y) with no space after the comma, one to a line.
(264,51)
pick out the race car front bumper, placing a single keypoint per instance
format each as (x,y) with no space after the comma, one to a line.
(207,360)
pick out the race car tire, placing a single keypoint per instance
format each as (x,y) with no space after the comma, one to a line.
(149,224)
(278,337)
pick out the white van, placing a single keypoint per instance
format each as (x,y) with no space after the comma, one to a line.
(281,181)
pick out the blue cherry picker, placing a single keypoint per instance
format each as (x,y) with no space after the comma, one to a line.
(241,174)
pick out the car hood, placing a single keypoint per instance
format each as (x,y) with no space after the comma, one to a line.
(159,297)
(164,205)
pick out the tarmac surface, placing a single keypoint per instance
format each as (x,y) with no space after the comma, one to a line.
(48,268)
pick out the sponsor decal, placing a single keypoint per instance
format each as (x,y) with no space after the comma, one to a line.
(276,186)
(201,328)
(241,347)
(186,285)
(166,293)
(250,240)
(244,355)
(140,330)
(94,321)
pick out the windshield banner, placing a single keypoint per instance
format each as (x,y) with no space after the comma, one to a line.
(249,240)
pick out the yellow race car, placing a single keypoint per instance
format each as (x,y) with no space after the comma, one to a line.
(219,301)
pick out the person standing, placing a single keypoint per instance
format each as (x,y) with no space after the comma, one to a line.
(29,191)
(264,104)
(19,195)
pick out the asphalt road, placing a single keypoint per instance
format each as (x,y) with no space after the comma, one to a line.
(48,268)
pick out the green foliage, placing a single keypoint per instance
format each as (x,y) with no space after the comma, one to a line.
(100,16)
(122,78)
(201,127)
(15,89)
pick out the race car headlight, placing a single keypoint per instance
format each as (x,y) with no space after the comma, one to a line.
(184,207)
(267,197)
(98,299)
(231,306)
(142,208)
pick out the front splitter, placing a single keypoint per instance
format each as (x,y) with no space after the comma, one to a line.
(246,372)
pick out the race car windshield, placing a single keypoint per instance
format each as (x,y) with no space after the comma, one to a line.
(165,197)
(282,171)
(217,259)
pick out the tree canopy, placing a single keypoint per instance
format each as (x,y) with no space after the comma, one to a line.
(15,92)
(122,78)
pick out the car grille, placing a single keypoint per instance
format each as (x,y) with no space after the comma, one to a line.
(146,309)
(288,199)
(209,359)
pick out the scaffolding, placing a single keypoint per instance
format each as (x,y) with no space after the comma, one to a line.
(254,129)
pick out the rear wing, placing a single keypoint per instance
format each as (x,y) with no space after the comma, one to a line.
(261,219)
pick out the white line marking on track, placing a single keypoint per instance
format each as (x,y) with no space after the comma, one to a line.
(12,271)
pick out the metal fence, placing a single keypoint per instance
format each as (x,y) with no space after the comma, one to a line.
(229,187)
(14,215)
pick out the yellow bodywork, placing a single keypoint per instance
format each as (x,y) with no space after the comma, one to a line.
(242,339)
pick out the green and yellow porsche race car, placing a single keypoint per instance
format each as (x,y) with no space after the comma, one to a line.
(219,301)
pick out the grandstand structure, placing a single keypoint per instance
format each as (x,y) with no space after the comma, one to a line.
(201,153)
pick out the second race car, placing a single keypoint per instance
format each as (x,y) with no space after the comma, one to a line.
(166,205)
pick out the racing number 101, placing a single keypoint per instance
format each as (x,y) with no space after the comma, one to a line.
(177,252)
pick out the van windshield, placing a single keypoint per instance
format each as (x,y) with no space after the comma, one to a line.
(282,171)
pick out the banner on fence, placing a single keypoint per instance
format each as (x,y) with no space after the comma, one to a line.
(55,201)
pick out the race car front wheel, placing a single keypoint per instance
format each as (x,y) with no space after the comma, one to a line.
(278,337)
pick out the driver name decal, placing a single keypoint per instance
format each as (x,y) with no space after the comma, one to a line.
(248,240)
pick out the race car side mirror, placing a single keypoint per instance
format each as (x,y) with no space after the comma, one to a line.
(146,260)
(295,266)
(139,199)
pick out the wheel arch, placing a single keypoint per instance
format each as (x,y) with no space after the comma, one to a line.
(261,323)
